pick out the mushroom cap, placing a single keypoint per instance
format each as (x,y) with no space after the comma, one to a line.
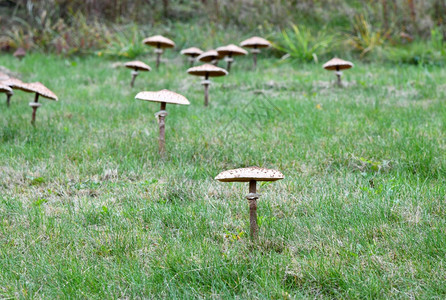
(138,65)
(255,42)
(5,89)
(334,63)
(193,51)
(13,83)
(207,69)
(248,174)
(209,56)
(165,96)
(38,88)
(231,49)
(20,52)
(3,76)
(159,40)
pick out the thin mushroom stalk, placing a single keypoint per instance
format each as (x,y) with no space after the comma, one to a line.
(338,75)
(134,75)
(35,105)
(206,82)
(252,200)
(161,115)
(158,52)
(8,98)
(254,52)
(229,61)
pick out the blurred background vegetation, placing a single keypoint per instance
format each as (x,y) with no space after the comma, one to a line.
(399,31)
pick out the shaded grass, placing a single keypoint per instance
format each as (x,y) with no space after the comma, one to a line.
(89,209)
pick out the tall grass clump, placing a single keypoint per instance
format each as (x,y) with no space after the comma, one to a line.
(302,44)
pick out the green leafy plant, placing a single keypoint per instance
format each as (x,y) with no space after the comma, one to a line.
(301,44)
(365,38)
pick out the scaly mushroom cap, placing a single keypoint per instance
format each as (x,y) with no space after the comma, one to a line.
(255,42)
(209,56)
(207,69)
(3,76)
(20,52)
(163,96)
(193,51)
(138,65)
(231,49)
(334,63)
(5,89)
(38,88)
(248,174)
(160,40)
(13,83)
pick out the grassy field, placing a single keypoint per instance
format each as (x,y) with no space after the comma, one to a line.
(88,209)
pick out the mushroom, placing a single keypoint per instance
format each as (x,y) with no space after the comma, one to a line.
(136,65)
(160,42)
(337,64)
(255,43)
(40,90)
(229,51)
(210,56)
(192,53)
(207,70)
(6,89)
(13,83)
(164,97)
(251,175)
(20,53)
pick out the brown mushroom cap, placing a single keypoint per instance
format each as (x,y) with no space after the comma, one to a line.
(13,83)
(20,52)
(207,69)
(209,56)
(193,51)
(38,88)
(159,41)
(248,174)
(231,49)
(255,42)
(138,65)
(5,89)
(165,96)
(3,76)
(335,63)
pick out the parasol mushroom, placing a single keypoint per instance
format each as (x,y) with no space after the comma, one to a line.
(13,83)
(210,56)
(229,51)
(160,42)
(337,64)
(20,53)
(251,175)
(136,65)
(255,43)
(164,97)
(40,90)
(192,53)
(6,89)
(207,70)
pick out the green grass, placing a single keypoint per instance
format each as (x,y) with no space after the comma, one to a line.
(88,209)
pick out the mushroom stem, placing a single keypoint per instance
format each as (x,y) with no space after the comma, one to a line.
(158,51)
(33,118)
(134,74)
(8,99)
(191,60)
(338,75)
(229,60)
(206,90)
(254,56)
(252,199)
(162,127)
